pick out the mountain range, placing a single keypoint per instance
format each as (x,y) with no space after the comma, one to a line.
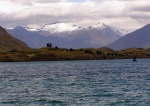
(68,36)
(8,43)
(137,39)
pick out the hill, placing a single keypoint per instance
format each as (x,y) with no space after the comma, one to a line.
(138,39)
(8,43)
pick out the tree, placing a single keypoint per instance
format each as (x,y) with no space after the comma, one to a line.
(71,49)
(49,45)
(98,52)
(56,47)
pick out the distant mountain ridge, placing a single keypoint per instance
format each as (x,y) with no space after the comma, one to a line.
(138,39)
(67,36)
(8,42)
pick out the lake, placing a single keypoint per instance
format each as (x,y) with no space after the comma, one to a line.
(75,83)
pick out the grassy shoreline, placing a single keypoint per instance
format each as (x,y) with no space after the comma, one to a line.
(61,54)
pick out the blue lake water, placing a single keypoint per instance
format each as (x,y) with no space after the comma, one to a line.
(75,83)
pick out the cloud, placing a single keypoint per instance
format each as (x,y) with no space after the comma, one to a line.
(39,12)
(47,1)
(23,2)
(31,2)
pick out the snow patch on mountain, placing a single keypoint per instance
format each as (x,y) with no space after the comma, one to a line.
(31,29)
(99,26)
(59,27)
(121,32)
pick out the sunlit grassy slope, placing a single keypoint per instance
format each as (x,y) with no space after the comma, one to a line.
(7,42)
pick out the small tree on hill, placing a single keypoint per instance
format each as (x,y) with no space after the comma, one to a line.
(49,45)
(56,47)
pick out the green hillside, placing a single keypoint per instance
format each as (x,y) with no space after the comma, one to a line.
(8,43)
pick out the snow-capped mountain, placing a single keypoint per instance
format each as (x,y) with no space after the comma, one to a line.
(68,35)
(68,28)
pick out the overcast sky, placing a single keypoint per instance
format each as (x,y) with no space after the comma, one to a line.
(129,14)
